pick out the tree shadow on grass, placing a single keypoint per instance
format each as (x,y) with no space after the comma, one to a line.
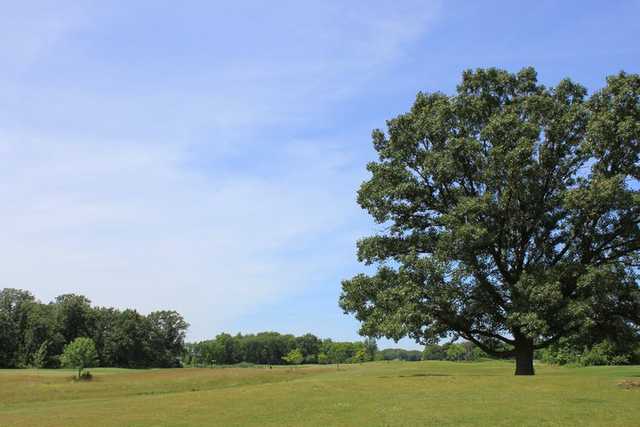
(437,375)
(424,375)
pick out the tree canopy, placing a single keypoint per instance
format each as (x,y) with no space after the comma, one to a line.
(294,357)
(34,334)
(273,348)
(510,216)
(80,354)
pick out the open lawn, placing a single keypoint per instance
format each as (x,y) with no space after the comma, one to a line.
(381,393)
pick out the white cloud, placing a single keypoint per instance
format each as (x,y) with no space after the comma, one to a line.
(124,189)
(126,225)
(30,30)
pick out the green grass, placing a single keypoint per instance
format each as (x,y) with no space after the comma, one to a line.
(372,394)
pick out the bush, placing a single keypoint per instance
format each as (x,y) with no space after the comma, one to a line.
(602,353)
(559,355)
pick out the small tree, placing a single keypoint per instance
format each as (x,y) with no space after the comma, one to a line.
(338,353)
(40,356)
(294,357)
(80,354)
(361,355)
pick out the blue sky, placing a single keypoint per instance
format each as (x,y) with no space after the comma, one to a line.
(203,156)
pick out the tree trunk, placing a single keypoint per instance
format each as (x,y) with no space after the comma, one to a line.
(524,358)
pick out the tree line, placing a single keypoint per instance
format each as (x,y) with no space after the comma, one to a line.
(570,351)
(273,348)
(399,354)
(34,334)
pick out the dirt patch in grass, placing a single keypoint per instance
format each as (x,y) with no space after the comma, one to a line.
(630,384)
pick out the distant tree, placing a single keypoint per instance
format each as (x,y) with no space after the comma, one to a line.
(323,359)
(433,352)
(40,356)
(294,357)
(360,356)
(35,334)
(340,352)
(310,345)
(75,316)
(455,352)
(80,354)
(206,353)
(229,349)
(105,334)
(606,352)
(42,332)
(511,215)
(370,348)
(399,354)
(14,311)
(128,343)
(8,341)
(167,332)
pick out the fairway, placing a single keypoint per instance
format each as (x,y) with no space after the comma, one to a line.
(380,393)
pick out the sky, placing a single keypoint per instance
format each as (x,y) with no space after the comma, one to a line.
(204,156)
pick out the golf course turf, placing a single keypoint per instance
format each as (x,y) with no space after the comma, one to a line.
(378,393)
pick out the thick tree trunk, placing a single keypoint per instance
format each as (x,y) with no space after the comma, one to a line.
(524,358)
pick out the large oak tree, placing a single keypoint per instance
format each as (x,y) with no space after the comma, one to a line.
(509,215)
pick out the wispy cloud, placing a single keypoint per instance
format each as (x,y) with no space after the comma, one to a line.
(184,158)
(128,225)
(30,31)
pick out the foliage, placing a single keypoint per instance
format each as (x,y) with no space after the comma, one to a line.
(454,352)
(35,334)
(370,349)
(15,306)
(398,354)
(167,334)
(40,356)
(310,345)
(74,316)
(271,348)
(80,354)
(434,352)
(602,353)
(323,359)
(511,216)
(294,357)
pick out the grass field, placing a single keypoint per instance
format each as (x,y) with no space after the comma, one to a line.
(377,394)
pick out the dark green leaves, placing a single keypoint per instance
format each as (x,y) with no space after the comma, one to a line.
(498,204)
